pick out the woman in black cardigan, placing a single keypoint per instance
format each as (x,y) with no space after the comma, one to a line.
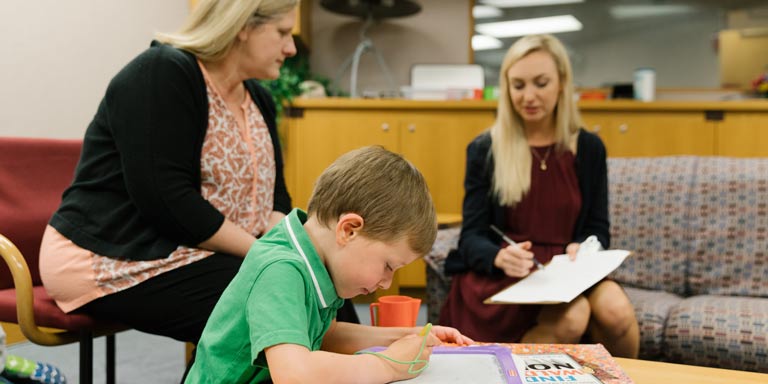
(181,171)
(543,181)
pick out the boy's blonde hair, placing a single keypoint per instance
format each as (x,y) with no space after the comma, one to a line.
(511,153)
(213,25)
(386,190)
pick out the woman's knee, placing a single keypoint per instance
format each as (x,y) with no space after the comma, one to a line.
(613,312)
(573,321)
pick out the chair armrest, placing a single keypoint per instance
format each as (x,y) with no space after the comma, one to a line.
(25,312)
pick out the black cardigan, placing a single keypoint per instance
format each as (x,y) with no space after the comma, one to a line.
(136,193)
(478,245)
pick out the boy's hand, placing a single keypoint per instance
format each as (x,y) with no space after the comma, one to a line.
(451,335)
(405,349)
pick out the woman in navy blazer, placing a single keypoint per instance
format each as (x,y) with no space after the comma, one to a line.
(542,180)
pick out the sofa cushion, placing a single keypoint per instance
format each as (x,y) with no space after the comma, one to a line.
(730,227)
(649,216)
(651,310)
(719,331)
(438,284)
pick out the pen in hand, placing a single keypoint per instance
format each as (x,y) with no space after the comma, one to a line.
(509,241)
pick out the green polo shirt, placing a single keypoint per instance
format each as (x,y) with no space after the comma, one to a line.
(282,294)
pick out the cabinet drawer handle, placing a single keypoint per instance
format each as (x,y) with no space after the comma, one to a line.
(411,128)
(623,128)
(385,127)
(596,128)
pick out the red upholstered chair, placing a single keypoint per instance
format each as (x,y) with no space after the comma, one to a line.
(33,175)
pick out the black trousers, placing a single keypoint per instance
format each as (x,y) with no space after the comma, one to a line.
(178,303)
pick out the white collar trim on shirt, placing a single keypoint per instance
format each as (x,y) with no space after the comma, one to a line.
(306,260)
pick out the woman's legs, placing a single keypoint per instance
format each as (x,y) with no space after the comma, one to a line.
(613,322)
(174,304)
(178,303)
(560,324)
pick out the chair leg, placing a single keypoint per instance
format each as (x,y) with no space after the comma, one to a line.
(86,357)
(111,359)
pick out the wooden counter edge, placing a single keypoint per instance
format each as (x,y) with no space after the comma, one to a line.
(336,103)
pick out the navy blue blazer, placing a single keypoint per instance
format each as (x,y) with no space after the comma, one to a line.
(478,245)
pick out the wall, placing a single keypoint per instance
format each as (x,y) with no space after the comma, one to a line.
(683,54)
(608,50)
(438,34)
(58,57)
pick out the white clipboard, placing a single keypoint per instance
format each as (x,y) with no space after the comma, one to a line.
(562,280)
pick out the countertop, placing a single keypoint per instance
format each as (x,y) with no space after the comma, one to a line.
(752,105)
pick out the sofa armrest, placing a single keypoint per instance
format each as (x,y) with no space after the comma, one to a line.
(447,240)
(438,284)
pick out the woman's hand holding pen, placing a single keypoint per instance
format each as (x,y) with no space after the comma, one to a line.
(515,260)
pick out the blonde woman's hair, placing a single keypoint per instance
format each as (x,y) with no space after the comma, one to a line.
(511,154)
(386,190)
(212,27)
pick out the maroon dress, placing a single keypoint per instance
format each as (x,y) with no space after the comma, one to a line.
(546,216)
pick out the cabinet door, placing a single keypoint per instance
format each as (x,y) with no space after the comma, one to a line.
(595,122)
(436,143)
(315,140)
(657,133)
(743,134)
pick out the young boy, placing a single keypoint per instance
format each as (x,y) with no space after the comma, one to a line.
(370,214)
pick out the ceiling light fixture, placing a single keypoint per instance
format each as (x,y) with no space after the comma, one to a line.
(642,11)
(483,42)
(485,12)
(552,24)
(527,3)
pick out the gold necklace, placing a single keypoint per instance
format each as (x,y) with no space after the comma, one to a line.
(542,160)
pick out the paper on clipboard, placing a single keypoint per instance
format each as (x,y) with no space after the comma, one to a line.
(562,280)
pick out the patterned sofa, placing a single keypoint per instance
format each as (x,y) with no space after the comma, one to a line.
(698,277)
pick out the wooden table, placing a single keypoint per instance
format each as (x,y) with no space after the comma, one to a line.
(652,372)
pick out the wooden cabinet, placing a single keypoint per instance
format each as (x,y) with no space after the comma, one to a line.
(630,134)
(315,139)
(664,128)
(432,135)
(743,134)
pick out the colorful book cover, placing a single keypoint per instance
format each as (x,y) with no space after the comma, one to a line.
(553,367)
(590,356)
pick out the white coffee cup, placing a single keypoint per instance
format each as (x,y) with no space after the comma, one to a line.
(645,84)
